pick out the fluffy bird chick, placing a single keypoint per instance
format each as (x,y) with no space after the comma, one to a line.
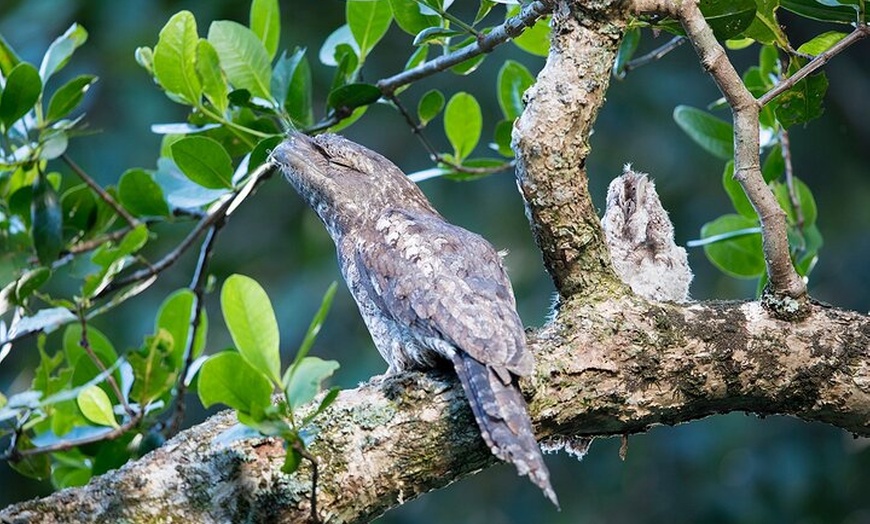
(429,292)
(641,240)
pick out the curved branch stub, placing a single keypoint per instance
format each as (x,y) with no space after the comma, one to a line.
(551,140)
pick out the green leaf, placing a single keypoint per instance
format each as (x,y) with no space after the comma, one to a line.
(251,320)
(141,195)
(513,80)
(825,11)
(429,106)
(410,18)
(175,58)
(368,21)
(713,134)
(243,57)
(739,256)
(60,51)
(503,137)
(227,378)
(291,87)
(803,101)
(805,200)
(735,192)
(174,317)
(265,22)
(96,406)
(821,43)
(291,461)
(154,369)
(68,97)
(208,69)
(20,93)
(46,222)
(34,466)
(8,58)
(765,26)
(204,161)
(144,56)
(774,165)
(351,96)
(340,36)
(626,51)
(327,401)
(302,382)
(535,39)
(314,327)
(112,260)
(435,35)
(463,123)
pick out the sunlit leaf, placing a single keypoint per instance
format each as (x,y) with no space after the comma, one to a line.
(410,18)
(303,384)
(368,21)
(429,106)
(227,378)
(208,69)
(251,321)
(96,406)
(463,123)
(175,58)
(242,56)
(265,22)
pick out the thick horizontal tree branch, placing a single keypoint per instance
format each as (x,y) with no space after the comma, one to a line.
(612,367)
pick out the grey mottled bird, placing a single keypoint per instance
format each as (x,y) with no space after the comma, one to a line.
(427,290)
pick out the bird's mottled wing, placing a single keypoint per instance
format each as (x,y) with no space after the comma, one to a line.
(444,283)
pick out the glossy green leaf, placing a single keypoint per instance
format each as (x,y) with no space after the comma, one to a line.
(141,195)
(626,51)
(735,192)
(463,123)
(251,321)
(805,200)
(821,43)
(113,259)
(303,384)
(174,317)
(175,58)
(349,121)
(227,378)
(265,22)
(313,328)
(513,80)
(154,368)
(204,161)
(211,77)
(291,87)
(739,256)
(716,136)
(46,222)
(417,57)
(803,101)
(68,97)
(340,36)
(348,66)
(503,137)
(243,57)
(351,96)
(96,406)
(8,57)
(60,51)
(410,18)
(535,39)
(20,93)
(765,26)
(368,21)
(825,11)
(429,106)
(435,35)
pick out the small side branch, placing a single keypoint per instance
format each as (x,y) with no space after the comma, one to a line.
(104,196)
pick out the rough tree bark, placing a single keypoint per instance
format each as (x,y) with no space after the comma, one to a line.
(609,363)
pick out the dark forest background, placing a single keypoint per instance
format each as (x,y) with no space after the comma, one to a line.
(732,468)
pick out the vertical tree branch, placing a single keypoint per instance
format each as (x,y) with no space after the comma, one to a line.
(551,140)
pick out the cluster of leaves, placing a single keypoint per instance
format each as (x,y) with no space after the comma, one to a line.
(732,242)
(245,378)
(90,408)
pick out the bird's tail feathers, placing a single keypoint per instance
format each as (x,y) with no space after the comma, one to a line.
(502,416)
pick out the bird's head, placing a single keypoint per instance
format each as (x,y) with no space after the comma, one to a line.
(345,183)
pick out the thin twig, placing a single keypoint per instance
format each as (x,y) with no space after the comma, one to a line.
(512,27)
(416,128)
(656,54)
(820,60)
(63,445)
(789,180)
(86,345)
(218,212)
(105,196)
(197,286)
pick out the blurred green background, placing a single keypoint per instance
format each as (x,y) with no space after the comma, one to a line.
(731,468)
